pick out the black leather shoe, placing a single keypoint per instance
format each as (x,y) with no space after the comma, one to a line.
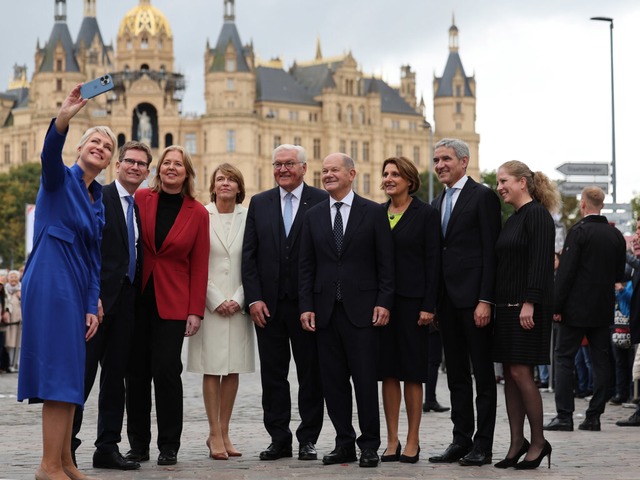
(632,421)
(475,458)
(590,423)
(369,458)
(276,451)
(307,451)
(113,460)
(559,425)
(341,455)
(453,453)
(434,406)
(137,455)
(169,457)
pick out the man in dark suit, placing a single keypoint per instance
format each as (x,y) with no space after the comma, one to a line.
(119,280)
(270,281)
(346,290)
(470,215)
(633,259)
(592,261)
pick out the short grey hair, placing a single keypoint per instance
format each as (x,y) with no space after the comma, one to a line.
(301,154)
(461,148)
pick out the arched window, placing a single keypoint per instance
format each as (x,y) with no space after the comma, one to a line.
(168,140)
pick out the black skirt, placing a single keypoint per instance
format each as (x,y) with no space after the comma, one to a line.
(514,344)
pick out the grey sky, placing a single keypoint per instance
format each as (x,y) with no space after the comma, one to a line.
(541,66)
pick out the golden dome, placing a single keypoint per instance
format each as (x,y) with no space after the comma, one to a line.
(144,18)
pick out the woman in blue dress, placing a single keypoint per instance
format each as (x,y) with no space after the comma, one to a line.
(60,287)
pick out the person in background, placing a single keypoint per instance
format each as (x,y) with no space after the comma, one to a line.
(175,237)
(434,349)
(524,304)
(593,259)
(14,325)
(224,346)
(623,356)
(404,356)
(61,284)
(121,251)
(5,318)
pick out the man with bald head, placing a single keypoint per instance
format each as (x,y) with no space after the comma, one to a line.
(346,291)
(592,261)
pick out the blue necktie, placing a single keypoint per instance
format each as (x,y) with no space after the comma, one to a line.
(447,209)
(288,212)
(132,239)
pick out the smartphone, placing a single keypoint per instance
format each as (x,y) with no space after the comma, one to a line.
(96,87)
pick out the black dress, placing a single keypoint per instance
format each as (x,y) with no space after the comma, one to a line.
(525,274)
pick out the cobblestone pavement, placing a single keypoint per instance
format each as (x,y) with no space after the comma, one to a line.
(612,453)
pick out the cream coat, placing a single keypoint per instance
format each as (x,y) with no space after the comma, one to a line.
(224,345)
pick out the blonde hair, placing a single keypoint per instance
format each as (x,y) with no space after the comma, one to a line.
(540,187)
(102,130)
(189,185)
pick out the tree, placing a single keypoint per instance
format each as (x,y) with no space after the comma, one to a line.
(423,191)
(17,188)
(490,179)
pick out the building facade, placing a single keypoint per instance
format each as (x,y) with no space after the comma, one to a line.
(324,104)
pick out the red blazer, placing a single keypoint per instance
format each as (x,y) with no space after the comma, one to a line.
(180,267)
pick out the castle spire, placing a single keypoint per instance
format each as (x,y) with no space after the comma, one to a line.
(318,49)
(453,35)
(90,8)
(229,11)
(60,11)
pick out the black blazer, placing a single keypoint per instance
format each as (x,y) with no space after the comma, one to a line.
(468,248)
(365,268)
(416,241)
(262,251)
(634,316)
(593,259)
(115,248)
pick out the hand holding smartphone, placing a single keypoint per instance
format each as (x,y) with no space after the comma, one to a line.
(96,87)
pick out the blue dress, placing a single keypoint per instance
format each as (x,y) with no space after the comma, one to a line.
(61,282)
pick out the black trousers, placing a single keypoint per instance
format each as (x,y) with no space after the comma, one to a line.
(347,353)
(283,334)
(433,364)
(156,352)
(569,340)
(110,348)
(466,345)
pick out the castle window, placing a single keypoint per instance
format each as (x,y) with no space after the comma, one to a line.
(297,141)
(398,150)
(339,109)
(361,117)
(458,107)
(316,148)
(23,152)
(191,143)
(416,155)
(293,115)
(259,145)
(458,126)
(366,183)
(277,141)
(231,86)
(349,114)
(230,65)
(58,84)
(317,180)
(458,90)
(231,140)
(59,65)
(144,43)
(7,154)
(395,124)
(168,140)
(343,146)
(354,150)
(365,151)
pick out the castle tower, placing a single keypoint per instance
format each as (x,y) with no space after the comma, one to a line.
(94,57)
(454,104)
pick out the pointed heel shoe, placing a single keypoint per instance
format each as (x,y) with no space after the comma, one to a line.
(535,463)
(392,458)
(412,459)
(511,462)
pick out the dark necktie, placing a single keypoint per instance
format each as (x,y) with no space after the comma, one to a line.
(131,233)
(338,234)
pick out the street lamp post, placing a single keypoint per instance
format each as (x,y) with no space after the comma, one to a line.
(430,159)
(613,116)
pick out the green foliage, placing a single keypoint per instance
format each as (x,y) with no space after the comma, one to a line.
(423,191)
(17,188)
(635,208)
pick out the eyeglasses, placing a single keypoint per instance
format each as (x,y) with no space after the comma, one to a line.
(130,162)
(287,165)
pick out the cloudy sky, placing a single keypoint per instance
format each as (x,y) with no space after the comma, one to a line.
(542,67)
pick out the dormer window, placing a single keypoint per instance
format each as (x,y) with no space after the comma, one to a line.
(144,43)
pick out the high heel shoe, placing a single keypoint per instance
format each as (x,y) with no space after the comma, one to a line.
(511,462)
(531,464)
(73,476)
(413,459)
(217,455)
(392,458)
